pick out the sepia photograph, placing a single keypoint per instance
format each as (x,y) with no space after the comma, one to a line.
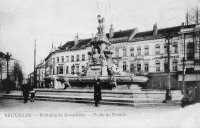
(99,63)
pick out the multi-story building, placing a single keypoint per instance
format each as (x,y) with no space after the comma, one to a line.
(40,69)
(190,55)
(141,53)
(146,54)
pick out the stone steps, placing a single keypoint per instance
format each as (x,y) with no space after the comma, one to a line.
(135,102)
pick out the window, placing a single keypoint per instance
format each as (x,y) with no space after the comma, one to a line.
(157,49)
(72,58)
(60,69)
(132,67)
(57,70)
(157,66)
(82,68)
(174,66)
(166,66)
(53,71)
(53,60)
(146,67)
(57,59)
(190,51)
(77,69)
(83,57)
(124,52)
(67,70)
(116,52)
(124,66)
(62,58)
(67,58)
(165,49)
(146,50)
(72,69)
(132,51)
(139,50)
(77,57)
(138,67)
(175,47)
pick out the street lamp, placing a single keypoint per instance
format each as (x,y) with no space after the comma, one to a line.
(7,57)
(73,67)
(168,95)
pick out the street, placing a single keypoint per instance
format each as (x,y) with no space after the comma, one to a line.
(14,113)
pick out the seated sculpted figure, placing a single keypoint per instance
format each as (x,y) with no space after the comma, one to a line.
(96,56)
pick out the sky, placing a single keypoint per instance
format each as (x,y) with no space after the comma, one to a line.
(58,21)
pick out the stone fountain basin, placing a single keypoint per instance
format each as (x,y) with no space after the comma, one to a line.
(118,79)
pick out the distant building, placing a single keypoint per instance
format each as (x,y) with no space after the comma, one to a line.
(40,71)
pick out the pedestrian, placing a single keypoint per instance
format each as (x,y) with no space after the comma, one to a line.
(25,91)
(32,92)
(97,92)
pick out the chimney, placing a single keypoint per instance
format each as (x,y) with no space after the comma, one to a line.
(111,31)
(76,39)
(155,29)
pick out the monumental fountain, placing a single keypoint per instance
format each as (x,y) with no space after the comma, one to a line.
(101,66)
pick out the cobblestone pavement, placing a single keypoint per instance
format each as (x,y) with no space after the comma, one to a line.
(14,113)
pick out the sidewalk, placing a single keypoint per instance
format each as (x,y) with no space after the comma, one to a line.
(114,97)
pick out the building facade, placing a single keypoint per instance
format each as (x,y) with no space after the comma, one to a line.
(140,53)
(189,68)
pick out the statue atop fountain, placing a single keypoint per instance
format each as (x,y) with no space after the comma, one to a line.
(100,56)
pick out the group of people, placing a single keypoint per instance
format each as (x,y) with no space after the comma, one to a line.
(26,90)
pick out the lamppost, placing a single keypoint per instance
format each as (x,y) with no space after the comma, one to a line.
(7,57)
(73,67)
(168,95)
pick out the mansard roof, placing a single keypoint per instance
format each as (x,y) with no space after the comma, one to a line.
(83,43)
(120,33)
(122,36)
(148,35)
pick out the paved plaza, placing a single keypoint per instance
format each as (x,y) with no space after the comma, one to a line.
(45,114)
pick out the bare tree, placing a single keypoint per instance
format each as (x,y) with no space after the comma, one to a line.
(18,73)
(193,14)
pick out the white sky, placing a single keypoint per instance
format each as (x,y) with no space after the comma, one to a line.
(47,21)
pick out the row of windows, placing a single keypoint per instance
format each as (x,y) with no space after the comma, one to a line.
(146,50)
(67,58)
(60,70)
(138,67)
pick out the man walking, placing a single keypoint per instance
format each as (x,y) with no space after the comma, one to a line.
(97,92)
(25,91)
